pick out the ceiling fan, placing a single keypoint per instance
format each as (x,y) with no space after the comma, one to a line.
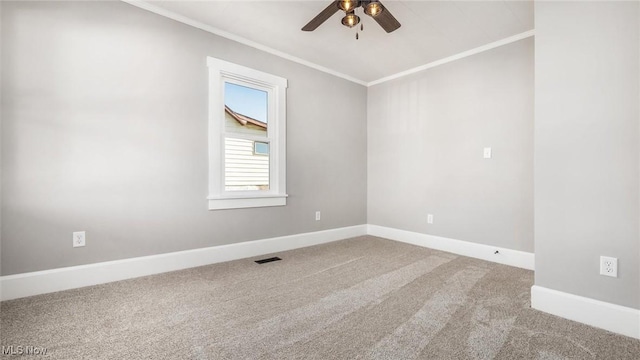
(375,9)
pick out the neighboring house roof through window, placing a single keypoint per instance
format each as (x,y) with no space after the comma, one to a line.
(243,119)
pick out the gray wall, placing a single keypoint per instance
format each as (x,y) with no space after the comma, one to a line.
(587,148)
(104,129)
(426,133)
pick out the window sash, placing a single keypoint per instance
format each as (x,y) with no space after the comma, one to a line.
(270,137)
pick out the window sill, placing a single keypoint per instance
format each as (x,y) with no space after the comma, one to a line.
(250,201)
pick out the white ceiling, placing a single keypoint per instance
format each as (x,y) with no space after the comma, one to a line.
(431,30)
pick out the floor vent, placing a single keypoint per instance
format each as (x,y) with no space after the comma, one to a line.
(263,261)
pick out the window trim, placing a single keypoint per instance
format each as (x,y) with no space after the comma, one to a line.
(218,198)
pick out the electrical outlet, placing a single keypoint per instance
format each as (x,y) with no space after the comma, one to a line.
(317,215)
(608,266)
(487,153)
(79,238)
(429,218)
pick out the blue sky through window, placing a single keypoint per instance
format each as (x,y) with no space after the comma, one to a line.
(246,101)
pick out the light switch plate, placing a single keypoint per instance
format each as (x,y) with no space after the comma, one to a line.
(487,153)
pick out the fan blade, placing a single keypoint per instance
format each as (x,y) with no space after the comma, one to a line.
(322,17)
(386,20)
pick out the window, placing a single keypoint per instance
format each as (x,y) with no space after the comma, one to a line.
(247,127)
(260,148)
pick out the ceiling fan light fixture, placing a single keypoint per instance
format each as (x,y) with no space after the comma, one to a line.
(348,5)
(373,8)
(351,19)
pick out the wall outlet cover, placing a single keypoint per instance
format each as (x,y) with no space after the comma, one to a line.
(79,238)
(608,266)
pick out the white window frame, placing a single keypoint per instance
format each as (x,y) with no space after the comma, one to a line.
(220,72)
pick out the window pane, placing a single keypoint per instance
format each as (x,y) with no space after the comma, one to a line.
(244,169)
(245,110)
(261,148)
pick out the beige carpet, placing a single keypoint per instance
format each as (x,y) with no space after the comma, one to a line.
(362,298)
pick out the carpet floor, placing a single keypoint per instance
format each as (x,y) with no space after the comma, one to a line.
(360,298)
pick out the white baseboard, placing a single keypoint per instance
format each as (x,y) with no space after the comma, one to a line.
(615,318)
(510,257)
(47,281)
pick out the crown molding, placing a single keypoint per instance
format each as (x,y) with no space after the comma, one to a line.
(464,54)
(213,30)
(239,39)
